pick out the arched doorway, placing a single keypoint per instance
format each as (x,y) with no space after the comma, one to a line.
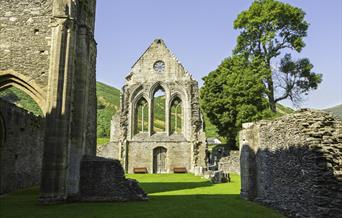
(159,160)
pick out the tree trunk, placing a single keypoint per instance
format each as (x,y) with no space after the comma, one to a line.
(270,95)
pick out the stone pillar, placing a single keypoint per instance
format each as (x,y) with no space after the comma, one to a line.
(249,142)
(167,114)
(150,116)
(59,98)
(71,99)
(80,111)
(83,132)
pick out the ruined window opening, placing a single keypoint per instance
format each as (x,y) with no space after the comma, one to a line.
(141,116)
(176,116)
(159,110)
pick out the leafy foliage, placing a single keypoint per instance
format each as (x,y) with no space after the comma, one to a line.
(234,94)
(267,28)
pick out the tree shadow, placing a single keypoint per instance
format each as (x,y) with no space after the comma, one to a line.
(299,180)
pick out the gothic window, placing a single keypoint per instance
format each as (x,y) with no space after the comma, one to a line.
(141,116)
(176,116)
(159,110)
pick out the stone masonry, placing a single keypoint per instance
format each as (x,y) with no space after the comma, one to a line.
(186,148)
(21,148)
(47,49)
(230,163)
(104,180)
(294,164)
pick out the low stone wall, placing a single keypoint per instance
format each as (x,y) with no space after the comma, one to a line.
(21,148)
(104,180)
(109,150)
(294,164)
(230,163)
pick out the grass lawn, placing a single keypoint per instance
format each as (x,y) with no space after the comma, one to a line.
(170,195)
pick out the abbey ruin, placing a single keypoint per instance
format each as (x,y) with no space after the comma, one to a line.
(48,51)
(159,133)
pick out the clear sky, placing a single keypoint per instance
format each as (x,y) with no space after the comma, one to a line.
(200,33)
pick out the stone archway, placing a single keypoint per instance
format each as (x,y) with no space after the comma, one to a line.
(159,160)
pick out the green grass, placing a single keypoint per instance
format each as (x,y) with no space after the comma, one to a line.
(102,141)
(170,195)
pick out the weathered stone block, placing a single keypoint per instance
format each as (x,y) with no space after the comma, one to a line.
(104,180)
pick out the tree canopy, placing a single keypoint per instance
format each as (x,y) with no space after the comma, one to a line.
(233,94)
(268,28)
(247,85)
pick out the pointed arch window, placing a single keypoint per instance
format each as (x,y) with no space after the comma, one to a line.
(159,110)
(141,116)
(176,116)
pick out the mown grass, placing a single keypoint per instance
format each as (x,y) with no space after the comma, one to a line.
(170,195)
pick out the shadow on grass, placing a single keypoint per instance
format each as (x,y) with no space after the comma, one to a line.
(166,206)
(154,187)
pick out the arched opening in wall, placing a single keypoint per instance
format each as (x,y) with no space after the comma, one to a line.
(141,116)
(18,97)
(176,121)
(159,110)
(159,160)
(15,84)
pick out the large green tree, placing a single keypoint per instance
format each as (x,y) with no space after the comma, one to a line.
(269,28)
(233,94)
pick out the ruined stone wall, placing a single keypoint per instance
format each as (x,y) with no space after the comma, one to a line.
(294,164)
(25,39)
(178,154)
(230,163)
(109,150)
(186,148)
(21,148)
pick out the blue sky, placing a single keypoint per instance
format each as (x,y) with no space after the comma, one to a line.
(200,33)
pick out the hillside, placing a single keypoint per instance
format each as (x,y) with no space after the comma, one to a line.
(337,111)
(108,102)
(21,99)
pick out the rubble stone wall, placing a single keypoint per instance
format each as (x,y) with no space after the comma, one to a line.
(230,163)
(26,39)
(21,148)
(294,164)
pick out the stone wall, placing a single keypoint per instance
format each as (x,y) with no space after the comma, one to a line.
(21,148)
(294,164)
(48,50)
(178,154)
(104,180)
(230,163)
(109,150)
(25,38)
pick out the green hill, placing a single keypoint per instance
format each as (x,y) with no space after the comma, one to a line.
(336,110)
(21,99)
(108,102)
